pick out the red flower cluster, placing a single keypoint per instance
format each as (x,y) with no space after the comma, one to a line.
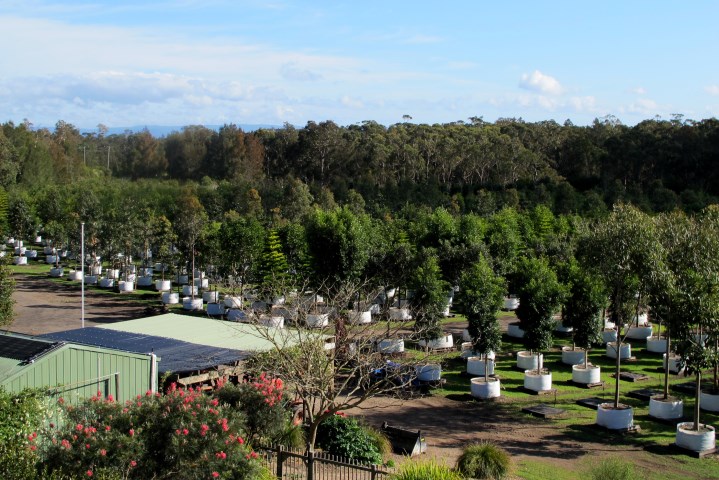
(271,388)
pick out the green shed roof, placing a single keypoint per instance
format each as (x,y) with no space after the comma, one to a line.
(206,331)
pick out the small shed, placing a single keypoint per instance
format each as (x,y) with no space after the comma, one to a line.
(74,371)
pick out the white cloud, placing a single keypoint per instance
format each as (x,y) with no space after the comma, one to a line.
(291,71)
(638,91)
(643,106)
(351,102)
(712,89)
(541,83)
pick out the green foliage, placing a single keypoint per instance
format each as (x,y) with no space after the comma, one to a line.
(425,470)
(22,416)
(263,403)
(540,296)
(480,297)
(344,436)
(7,287)
(612,468)
(430,296)
(584,306)
(182,434)
(484,461)
(3,211)
(273,264)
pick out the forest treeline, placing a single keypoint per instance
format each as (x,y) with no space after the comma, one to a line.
(473,166)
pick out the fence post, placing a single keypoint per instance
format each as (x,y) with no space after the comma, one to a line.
(310,465)
(373,472)
(280,461)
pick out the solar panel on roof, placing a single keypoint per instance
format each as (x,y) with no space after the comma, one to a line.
(22,349)
(175,355)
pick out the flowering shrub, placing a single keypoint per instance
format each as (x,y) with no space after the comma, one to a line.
(181,434)
(264,405)
(22,416)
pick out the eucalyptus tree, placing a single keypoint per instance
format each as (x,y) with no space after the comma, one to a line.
(429,296)
(583,309)
(625,252)
(540,297)
(698,307)
(242,240)
(480,297)
(189,224)
(162,241)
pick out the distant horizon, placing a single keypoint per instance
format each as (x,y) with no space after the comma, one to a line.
(269,63)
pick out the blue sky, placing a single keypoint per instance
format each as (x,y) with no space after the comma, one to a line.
(127,63)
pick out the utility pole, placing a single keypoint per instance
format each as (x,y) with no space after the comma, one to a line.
(82,262)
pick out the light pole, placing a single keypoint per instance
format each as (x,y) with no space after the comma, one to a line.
(82,263)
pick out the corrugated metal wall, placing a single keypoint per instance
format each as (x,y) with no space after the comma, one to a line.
(80,372)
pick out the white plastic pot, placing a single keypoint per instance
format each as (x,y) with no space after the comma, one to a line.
(236,315)
(360,318)
(49,251)
(560,328)
(656,345)
(57,272)
(202,283)
(50,259)
(113,273)
(233,301)
(401,314)
(514,331)
(317,320)
(609,335)
(215,309)
(210,297)
(625,350)
(20,250)
(91,279)
(106,282)
(96,270)
(428,373)
(188,303)
(126,286)
(481,389)
(527,360)
(163,285)
(571,356)
(31,253)
(674,361)
(466,337)
(144,281)
(537,382)
(38,239)
(182,279)
(170,298)
(391,345)
(188,290)
(19,243)
(615,419)
(75,275)
(639,333)
(272,321)
(585,376)
(709,401)
(20,260)
(445,341)
(704,439)
(475,366)
(669,409)
(511,302)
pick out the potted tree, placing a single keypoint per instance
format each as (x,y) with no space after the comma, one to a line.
(428,302)
(190,223)
(625,252)
(584,312)
(540,296)
(162,240)
(481,295)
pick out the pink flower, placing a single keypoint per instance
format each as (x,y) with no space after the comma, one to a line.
(133,463)
(240,440)
(132,432)
(79,427)
(185,431)
(89,473)
(103,452)
(215,474)
(214,402)
(110,398)
(107,428)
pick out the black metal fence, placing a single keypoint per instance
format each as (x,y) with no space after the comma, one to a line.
(298,465)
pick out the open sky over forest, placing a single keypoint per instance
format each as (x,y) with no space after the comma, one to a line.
(268,62)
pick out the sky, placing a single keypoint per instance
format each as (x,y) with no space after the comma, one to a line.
(211,62)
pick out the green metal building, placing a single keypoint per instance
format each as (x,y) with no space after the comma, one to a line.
(74,371)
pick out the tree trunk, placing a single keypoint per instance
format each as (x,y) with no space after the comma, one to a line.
(697,405)
(192,284)
(486,374)
(666,367)
(617,370)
